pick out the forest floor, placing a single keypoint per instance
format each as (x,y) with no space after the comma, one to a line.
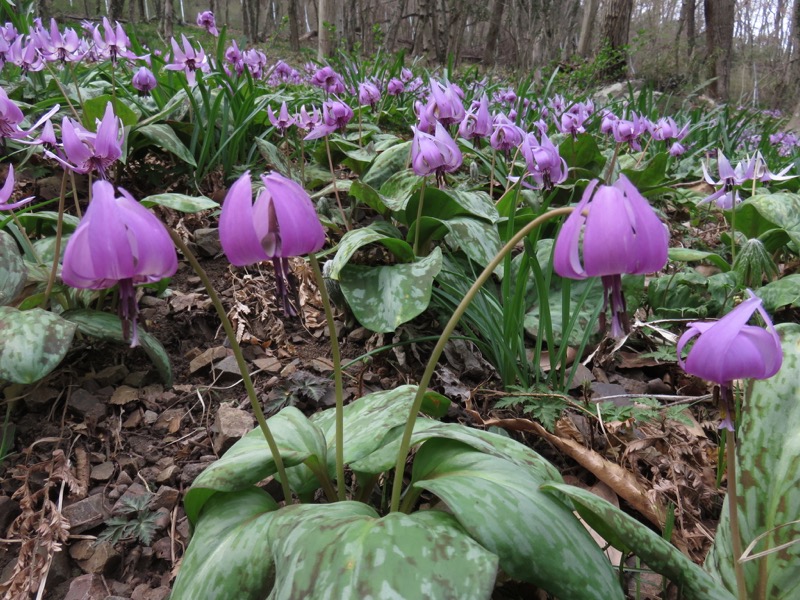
(126,447)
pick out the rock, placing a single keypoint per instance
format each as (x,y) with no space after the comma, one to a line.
(87,405)
(207,241)
(86,587)
(270,364)
(124,395)
(111,375)
(163,548)
(230,425)
(40,399)
(150,417)
(143,592)
(207,357)
(61,569)
(99,556)
(227,369)
(190,472)
(169,420)
(359,335)
(134,420)
(137,379)
(657,386)
(133,491)
(166,497)
(86,514)
(103,471)
(167,475)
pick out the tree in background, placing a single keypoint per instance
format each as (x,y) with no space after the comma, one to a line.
(719,16)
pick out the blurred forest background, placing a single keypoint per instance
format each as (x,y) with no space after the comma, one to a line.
(742,51)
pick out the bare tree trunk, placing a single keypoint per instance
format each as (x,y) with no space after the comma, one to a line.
(394,26)
(167,21)
(498,8)
(294,26)
(614,35)
(719,44)
(115,10)
(323,23)
(587,26)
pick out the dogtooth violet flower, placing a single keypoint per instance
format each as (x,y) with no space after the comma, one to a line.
(444,103)
(505,135)
(368,94)
(143,81)
(281,223)
(118,241)
(613,230)
(206,20)
(7,190)
(437,153)
(727,195)
(730,349)
(544,162)
(283,121)
(85,151)
(477,122)
(329,80)
(187,59)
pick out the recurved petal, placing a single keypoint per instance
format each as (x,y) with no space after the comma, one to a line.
(298,224)
(153,250)
(237,233)
(567,259)
(651,237)
(76,151)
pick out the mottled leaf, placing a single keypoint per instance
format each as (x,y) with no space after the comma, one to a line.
(477,239)
(249,460)
(375,233)
(273,156)
(692,255)
(768,458)
(783,292)
(629,535)
(537,538)
(32,344)
(446,204)
(12,269)
(585,312)
(227,555)
(369,196)
(762,212)
(181,202)
(93,110)
(344,550)
(164,137)
(106,326)
(399,188)
(492,444)
(387,164)
(382,298)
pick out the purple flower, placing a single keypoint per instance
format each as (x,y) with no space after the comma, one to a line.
(329,80)
(234,56)
(544,162)
(629,130)
(281,223)
(573,119)
(118,241)
(506,135)
(335,115)
(113,43)
(677,149)
(731,349)
(144,81)
(10,117)
(24,53)
(206,19)
(256,61)
(7,190)
(477,122)
(306,121)
(444,104)
(406,75)
(283,121)
(187,59)
(436,153)
(395,87)
(762,173)
(620,233)
(667,129)
(368,94)
(57,47)
(86,151)
(727,195)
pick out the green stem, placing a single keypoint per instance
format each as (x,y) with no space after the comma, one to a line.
(237,352)
(405,443)
(733,514)
(337,369)
(63,91)
(491,175)
(417,223)
(733,229)
(613,162)
(57,250)
(75,194)
(345,220)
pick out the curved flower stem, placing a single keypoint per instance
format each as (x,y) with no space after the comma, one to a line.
(75,194)
(59,233)
(419,216)
(237,352)
(337,370)
(613,161)
(733,514)
(63,91)
(491,175)
(733,229)
(345,220)
(405,443)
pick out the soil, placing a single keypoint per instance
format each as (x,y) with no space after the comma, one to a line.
(103,440)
